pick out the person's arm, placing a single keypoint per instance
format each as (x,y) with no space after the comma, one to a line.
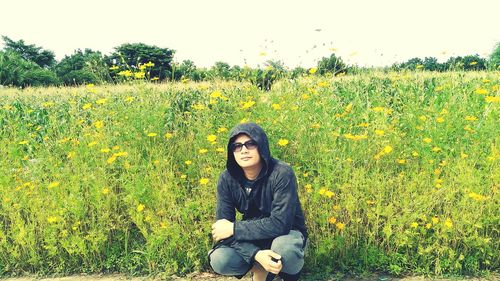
(225,204)
(282,212)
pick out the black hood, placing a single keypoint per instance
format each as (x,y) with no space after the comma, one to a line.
(256,133)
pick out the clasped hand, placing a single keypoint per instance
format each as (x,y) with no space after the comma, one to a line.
(222,229)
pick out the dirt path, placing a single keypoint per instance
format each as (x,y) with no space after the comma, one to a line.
(213,277)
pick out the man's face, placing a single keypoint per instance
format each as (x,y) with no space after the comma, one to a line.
(246,158)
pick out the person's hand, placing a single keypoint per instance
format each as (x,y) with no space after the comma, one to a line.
(264,258)
(222,229)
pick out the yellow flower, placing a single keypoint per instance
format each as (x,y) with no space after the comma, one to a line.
(111,159)
(329,194)
(282,142)
(219,149)
(70,154)
(98,124)
(470,118)
(248,104)
(183,176)
(105,150)
(315,126)
(363,124)
(448,223)
(414,225)
(490,99)
(440,119)
(332,220)
(428,225)
(87,106)
(140,207)
(436,149)
(23,142)
(54,184)
(340,225)
(313,70)
(211,138)
(116,147)
(435,220)
(477,197)
(463,155)
(379,132)
(90,144)
(152,134)
(215,94)
(401,161)
(139,75)
(355,137)
(427,140)
(414,154)
(387,149)
(101,101)
(198,106)
(105,190)
(202,151)
(221,130)
(52,219)
(188,162)
(276,106)
(204,181)
(422,117)
(168,135)
(481,91)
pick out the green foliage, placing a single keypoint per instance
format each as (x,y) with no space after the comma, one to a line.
(132,56)
(83,67)
(495,57)
(44,58)
(16,71)
(332,64)
(396,172)
(470,62)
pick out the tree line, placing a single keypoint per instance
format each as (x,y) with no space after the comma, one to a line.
(24,65)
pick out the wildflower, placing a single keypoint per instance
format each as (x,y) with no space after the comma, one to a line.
(440,119)
(90,144)
(98,124)
(414,225)
(52,219)
(332,220)
(247,104)
(152,134)
(111,159)
(340,225)
(329,194)
(70,154)
(436,149)
(477,197)
(387,149)
(414,154)
(283,142)
(470,118)
(481,91)
(202,151)
(215,95)
(105,191)
(211,138)
(101,101)
(219,149)
(379,132)
(188,162)
(401,161)
(204,181)
(53,184)
(140,207)
(315,126)
(448,223)
(86,106)
(183,176)
(168,135)
(355,137)
(428,225)
(370,202)
(435,220)
(427,140)
(129,99)
(23,142)
(422,117)
(491,99)
(276,106)
(463,155)
(221,130)
(313,70)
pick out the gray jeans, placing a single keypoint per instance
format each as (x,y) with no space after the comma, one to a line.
(226,261)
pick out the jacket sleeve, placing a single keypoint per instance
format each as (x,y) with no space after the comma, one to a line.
(282,212)
(225,204)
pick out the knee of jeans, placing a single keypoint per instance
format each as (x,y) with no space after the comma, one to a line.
(218,261)
(292,254)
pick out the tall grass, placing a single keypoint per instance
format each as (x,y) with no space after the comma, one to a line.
(397,172)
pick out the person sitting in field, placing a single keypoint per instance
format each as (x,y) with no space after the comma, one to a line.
(271,237)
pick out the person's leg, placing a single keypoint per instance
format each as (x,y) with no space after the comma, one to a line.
(291,249)
(226,261)
(259,273)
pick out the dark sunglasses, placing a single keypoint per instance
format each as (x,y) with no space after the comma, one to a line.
(237,146)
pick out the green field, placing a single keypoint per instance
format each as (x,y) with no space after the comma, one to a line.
(397,172)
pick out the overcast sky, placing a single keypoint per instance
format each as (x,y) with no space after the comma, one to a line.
(362,32)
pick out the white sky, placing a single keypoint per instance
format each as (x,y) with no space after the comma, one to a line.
(363,32)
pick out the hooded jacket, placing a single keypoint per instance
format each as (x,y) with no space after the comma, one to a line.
(270,210)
